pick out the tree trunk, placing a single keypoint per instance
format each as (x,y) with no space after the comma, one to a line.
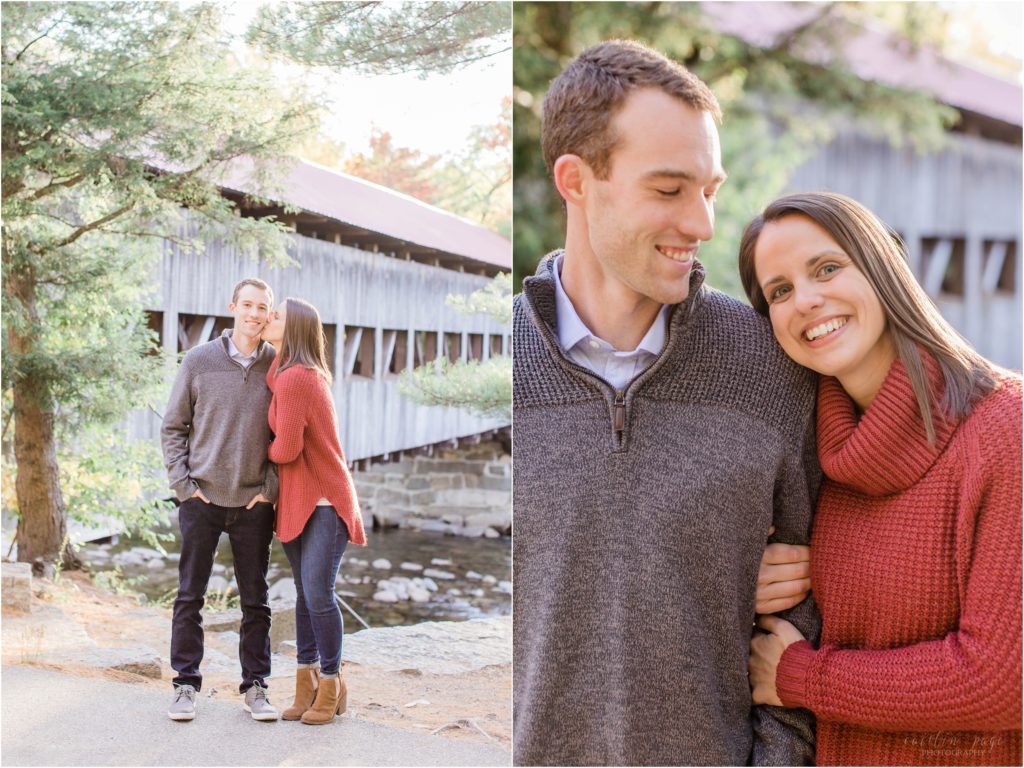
(42,525)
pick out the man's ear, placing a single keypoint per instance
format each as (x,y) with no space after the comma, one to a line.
(572,175)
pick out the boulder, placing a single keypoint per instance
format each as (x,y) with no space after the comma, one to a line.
(419,594)
(283,589)
(381,564)
(282,622)
(223,621)
(434,573)
(16,586)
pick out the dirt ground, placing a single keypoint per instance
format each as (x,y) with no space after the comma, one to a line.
(474,705)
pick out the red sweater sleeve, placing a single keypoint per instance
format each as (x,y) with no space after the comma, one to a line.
(971,678)
(293,393)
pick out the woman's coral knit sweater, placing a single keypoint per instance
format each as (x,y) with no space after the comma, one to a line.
(306,449)
(916,566)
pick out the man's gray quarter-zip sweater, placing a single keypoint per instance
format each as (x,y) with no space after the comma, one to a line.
(640,519)
(215,432)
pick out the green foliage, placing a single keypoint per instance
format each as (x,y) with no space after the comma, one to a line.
(215,600)
(383,38)
(117,583)
(778,107)
(108,480)
(493,299)
(484,386)
(116,117)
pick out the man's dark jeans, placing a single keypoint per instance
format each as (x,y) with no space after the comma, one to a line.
(250,532)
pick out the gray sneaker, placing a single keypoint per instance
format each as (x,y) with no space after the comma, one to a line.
(184,705)
(258,705)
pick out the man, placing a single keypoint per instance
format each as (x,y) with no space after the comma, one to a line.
(659,433)
(215,436)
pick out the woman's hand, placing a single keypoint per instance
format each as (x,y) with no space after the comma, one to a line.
(784,579)
(766,649)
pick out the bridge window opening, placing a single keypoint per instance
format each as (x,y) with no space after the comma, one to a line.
(495,345)
(476,346)
(155,323)
(942,265)
(396,346)
(198,329)
(453,346)
(330,345)
(358,352)
(425,350)
(999,273)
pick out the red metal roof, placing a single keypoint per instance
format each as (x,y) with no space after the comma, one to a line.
(363,204)
(875,54)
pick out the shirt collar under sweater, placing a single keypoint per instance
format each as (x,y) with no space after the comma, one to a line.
(885,450)
(540,294)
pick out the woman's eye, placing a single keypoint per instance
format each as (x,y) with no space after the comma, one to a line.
(778,293)
(828,269)
(669,192)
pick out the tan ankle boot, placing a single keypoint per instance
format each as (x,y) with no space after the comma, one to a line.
(307,680)
(331,699)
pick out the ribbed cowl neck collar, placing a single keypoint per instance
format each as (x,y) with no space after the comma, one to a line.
(886,449)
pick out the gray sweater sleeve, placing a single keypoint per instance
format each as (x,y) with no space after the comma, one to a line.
(270,482)
(174,434)
(786,736)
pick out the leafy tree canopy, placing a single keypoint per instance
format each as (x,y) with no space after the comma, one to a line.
(483,386)
(383,38)
(116,117)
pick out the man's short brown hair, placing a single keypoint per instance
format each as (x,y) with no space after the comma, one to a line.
(581,102)
(253,281)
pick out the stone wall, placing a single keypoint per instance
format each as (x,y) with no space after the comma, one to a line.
(466,492)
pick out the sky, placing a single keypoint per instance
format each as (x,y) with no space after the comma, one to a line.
(434,115)
(1002,22)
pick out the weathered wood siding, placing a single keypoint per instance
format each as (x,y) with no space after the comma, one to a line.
(959,211)
(350,287)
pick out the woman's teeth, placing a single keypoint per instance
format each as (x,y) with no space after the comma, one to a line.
(820,330)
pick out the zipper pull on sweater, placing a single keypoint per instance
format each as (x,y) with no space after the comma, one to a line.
(619,410)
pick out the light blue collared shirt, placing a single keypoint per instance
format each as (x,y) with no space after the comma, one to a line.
(597,355)
(245,360)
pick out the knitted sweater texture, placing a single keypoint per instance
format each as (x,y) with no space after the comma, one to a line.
(916,565)
(214,434)
(308,453)
(640,521)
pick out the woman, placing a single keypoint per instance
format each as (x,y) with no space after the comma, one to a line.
(917,537)
(317,509)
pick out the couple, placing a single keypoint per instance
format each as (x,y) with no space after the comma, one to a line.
(661,434)
(231,395)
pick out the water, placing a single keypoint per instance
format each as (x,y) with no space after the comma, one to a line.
(455,599)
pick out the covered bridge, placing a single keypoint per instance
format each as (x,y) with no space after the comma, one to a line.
(378,266)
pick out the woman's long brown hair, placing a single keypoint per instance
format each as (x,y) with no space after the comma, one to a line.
(304,341)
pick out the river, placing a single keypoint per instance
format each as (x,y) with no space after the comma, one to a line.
(480,571)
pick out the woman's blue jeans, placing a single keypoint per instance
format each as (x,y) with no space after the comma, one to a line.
(315,555)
